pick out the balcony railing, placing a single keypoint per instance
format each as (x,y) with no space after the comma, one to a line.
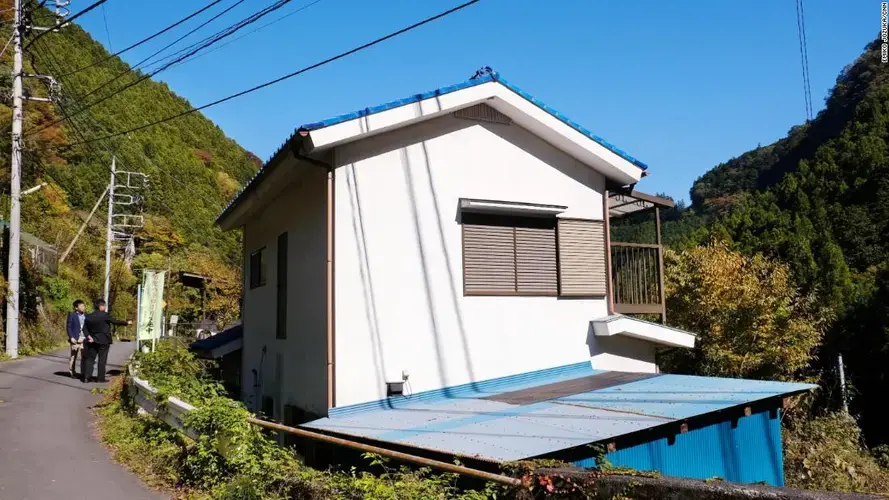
(637,278)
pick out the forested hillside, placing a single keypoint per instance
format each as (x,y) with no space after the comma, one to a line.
(816,201)
(192,166)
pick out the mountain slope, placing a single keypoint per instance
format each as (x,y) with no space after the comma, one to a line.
(819,201)
(194,168)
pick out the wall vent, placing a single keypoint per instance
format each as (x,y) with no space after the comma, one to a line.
(482,113)
(394,389)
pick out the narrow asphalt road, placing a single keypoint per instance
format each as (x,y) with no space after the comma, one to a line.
(48,446)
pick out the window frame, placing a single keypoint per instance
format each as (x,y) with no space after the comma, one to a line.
(261,281)
(515,217)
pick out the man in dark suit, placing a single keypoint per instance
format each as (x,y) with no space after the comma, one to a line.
(97,328)
(74,326)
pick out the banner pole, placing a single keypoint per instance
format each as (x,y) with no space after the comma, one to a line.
(138,317)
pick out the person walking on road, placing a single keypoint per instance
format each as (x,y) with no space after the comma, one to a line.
(75,322)
(97,328)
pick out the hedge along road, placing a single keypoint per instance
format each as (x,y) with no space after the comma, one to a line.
(48,446)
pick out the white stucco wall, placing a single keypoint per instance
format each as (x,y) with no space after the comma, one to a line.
(293,369)
(398,256)
(623,354)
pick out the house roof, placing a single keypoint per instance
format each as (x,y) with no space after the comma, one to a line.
(224,342)
(482,76)
(622,203)
(538,413)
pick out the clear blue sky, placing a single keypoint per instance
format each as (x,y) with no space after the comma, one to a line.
(682,86)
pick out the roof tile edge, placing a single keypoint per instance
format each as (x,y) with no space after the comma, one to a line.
(483,75)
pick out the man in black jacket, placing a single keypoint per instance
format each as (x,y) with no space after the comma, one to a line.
(97,328)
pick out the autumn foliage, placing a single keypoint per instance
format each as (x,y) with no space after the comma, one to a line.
(750,318)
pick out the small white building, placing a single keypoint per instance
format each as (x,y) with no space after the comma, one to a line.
(446,238)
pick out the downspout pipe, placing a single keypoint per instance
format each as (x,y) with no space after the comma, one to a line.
(297,148)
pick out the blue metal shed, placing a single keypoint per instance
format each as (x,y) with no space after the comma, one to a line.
(697,427)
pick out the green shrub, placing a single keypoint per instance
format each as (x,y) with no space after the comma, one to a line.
(234,459)
(174,371)
(57,291)
(43,334)
(147,446)
(881,454)
(825,453)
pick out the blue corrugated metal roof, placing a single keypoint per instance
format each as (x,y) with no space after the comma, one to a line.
(483,75)
(465,423)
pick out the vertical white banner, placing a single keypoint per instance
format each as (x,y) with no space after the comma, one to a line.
(151,305)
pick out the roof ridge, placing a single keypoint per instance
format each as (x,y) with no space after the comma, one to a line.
(483,75)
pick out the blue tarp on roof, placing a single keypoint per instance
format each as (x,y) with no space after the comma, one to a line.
(484,75)
(464,421)
(220,339)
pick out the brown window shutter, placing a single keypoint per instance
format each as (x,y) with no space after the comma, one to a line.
(536,261)
(582,258)
(488,259)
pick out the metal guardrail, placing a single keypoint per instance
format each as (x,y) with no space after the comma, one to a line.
(171,412)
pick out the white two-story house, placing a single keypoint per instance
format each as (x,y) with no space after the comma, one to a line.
(447,238)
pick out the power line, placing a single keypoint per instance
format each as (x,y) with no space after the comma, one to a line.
(107,31)
(133,67)
(227,32)
(266,25)
(804,57)
(55,66)
(285,77)
(144,40)
(67,21)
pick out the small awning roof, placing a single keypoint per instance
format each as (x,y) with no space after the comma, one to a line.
(192,280)
(644,330)
(537,413)
(622,203)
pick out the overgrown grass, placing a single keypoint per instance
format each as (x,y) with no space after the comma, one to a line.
(236,460)
(825,453)
(43,335)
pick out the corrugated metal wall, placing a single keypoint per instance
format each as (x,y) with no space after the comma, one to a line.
(749,452)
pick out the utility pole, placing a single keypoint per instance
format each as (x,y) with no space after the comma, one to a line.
(109,235)
(842,383)
(21,24)
(124,209)
(15,210)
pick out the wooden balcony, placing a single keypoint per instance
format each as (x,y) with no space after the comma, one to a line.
(636,269)
(637,278)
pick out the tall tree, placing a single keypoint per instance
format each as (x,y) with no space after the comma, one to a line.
(750,318)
